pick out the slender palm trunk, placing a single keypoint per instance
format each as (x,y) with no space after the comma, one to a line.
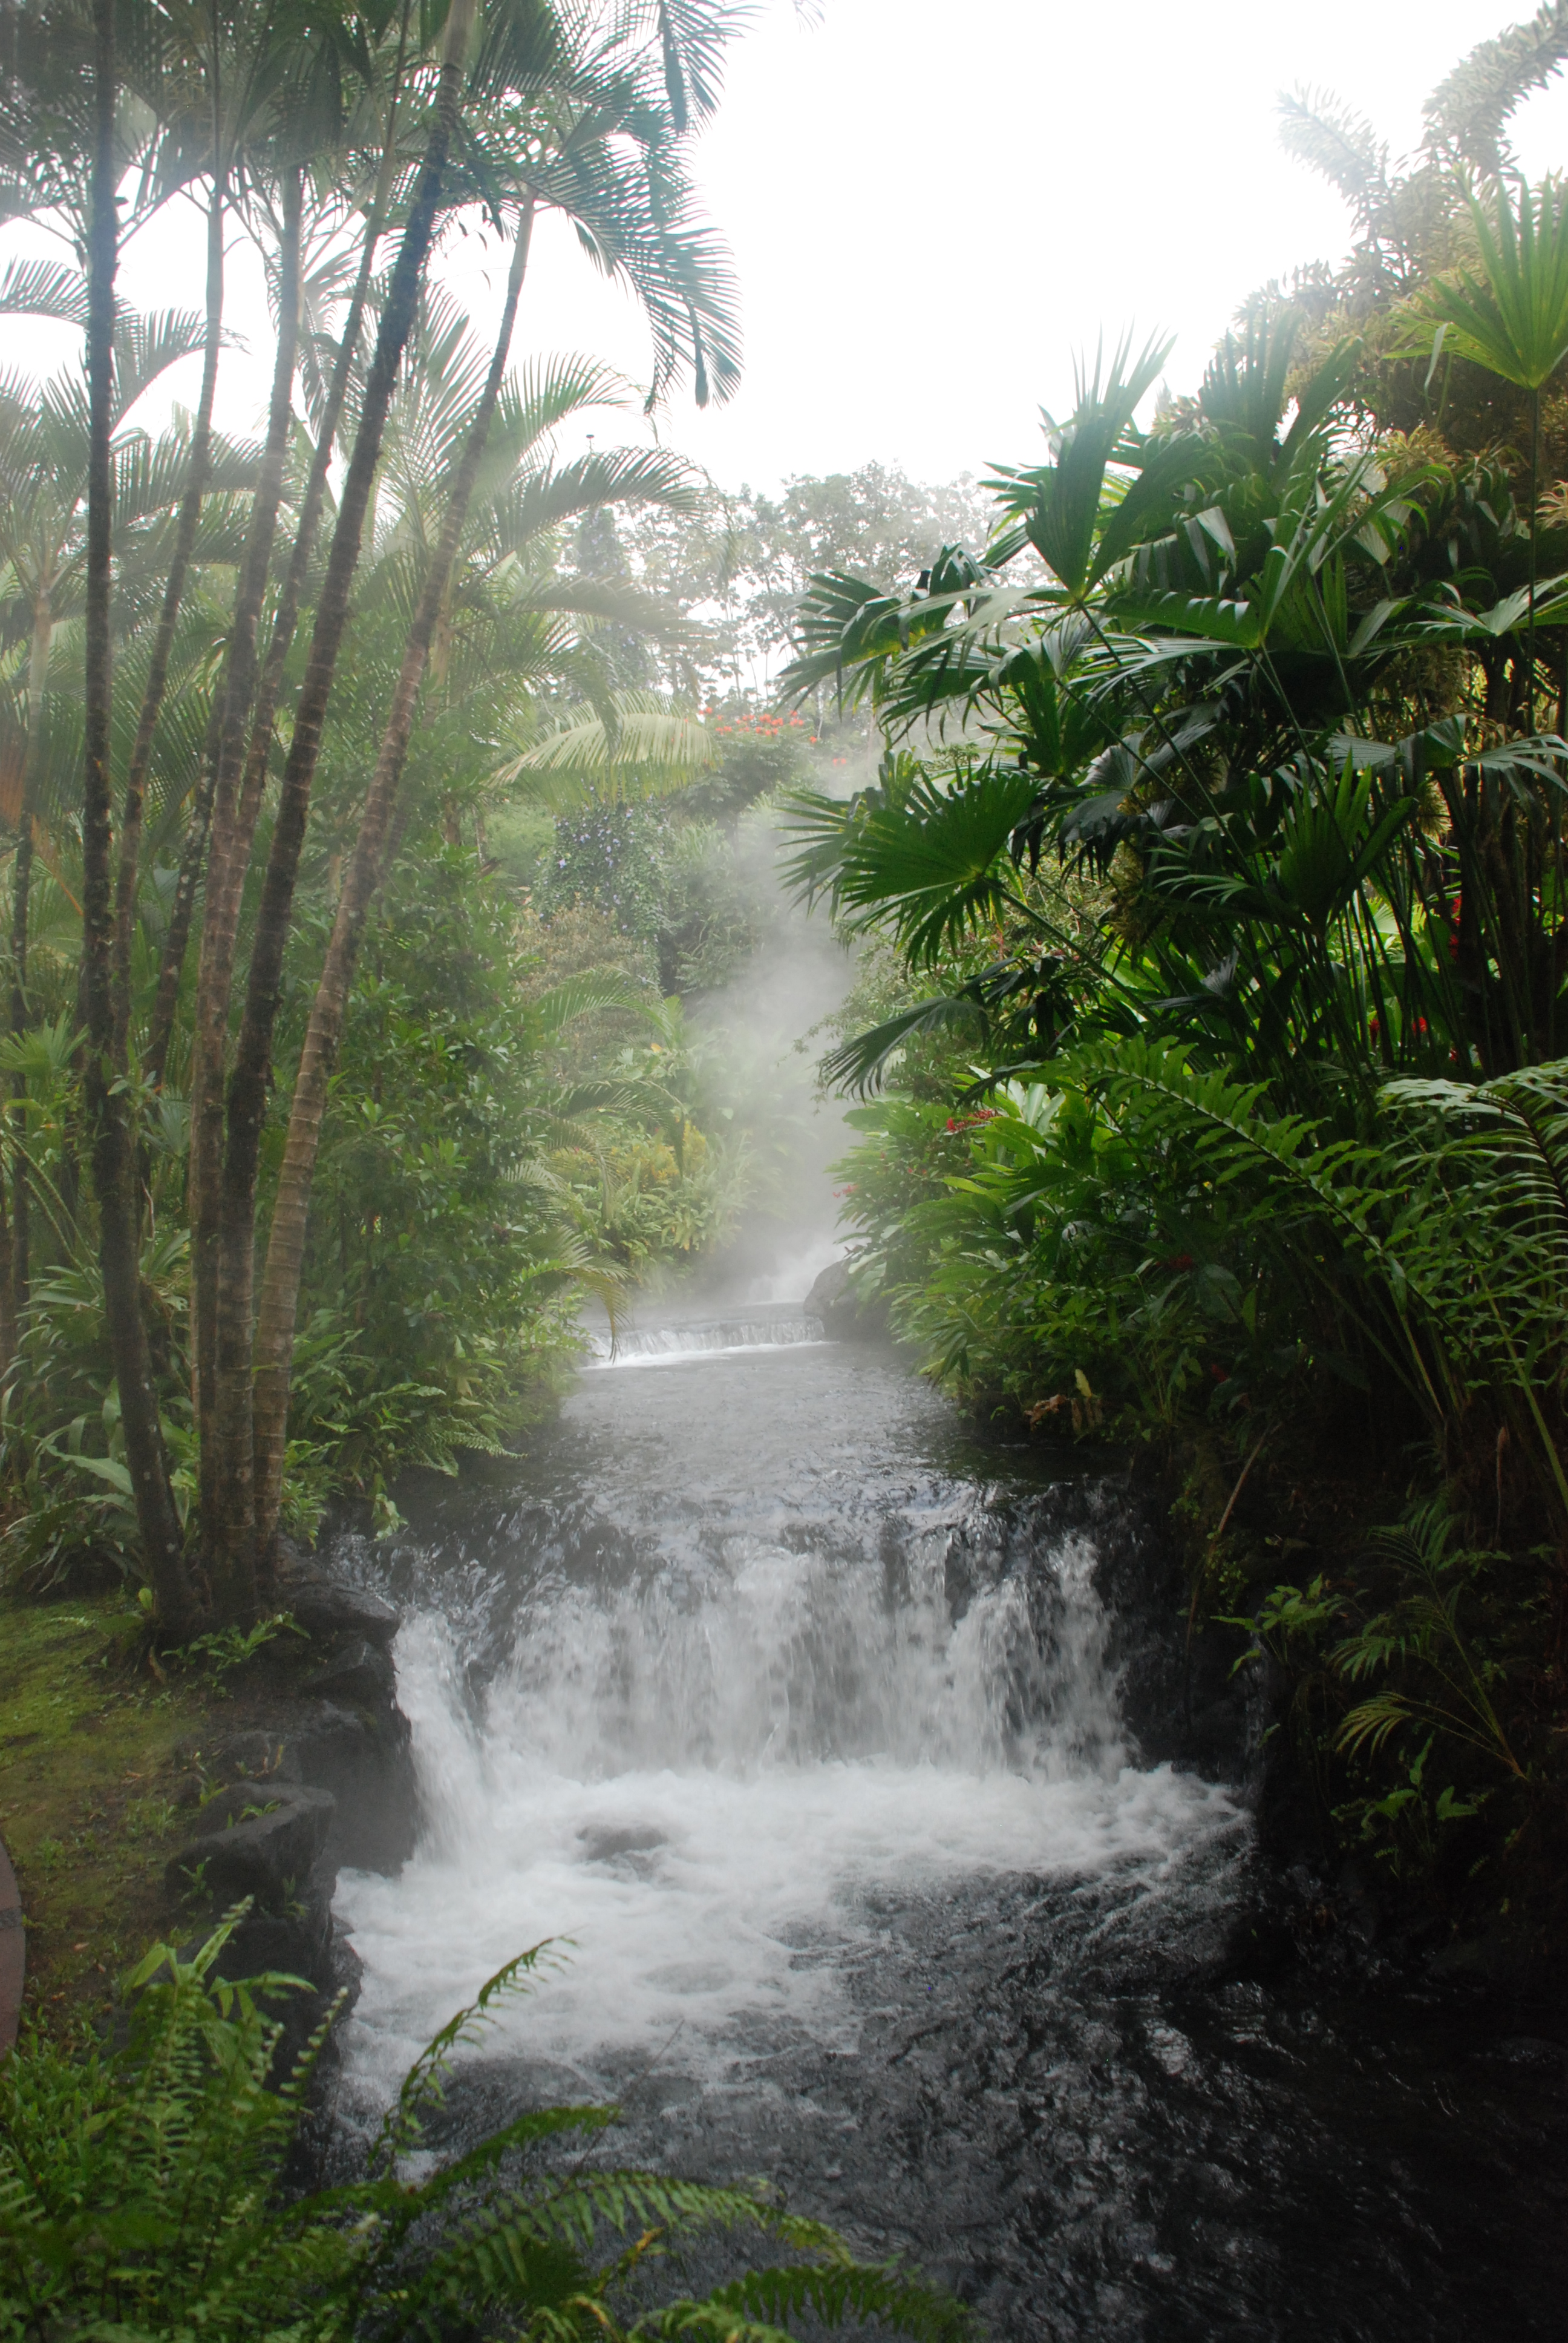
(200,464)
(229,1526)
(187,882)
(8,1308)
(1534,530)
(230,847)
(20,1268)
(279,1301)
(114,1152)
(193,857)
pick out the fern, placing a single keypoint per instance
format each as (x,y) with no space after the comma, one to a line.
(1447,1233)
(830,2293)
(141,2194)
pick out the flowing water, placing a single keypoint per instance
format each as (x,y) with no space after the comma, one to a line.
(838,1749)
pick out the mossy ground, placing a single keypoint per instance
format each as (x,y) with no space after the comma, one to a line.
(95,1796)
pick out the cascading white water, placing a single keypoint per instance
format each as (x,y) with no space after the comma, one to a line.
(736,1703)
(653,1346)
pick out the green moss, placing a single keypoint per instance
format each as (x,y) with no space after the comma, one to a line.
(90,1787)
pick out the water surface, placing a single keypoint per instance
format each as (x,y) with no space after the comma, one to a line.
(816,1727)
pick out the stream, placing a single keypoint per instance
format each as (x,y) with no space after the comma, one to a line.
(833,1748)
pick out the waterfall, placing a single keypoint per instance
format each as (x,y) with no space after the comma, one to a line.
(732,1667)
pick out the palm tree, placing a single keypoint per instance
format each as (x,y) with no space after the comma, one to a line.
(44,452)
(233,94)
(113,1142)
(224,867)
(223,1221)
(385,90)
(583,111)
(590,138)
(521,506)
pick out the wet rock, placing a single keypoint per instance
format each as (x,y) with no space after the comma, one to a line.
(365,1760)
(1548,2059)
(297,1943)
(324,1610)
(345,1735)
(830,1292)
(327,1740)
(323,1776)
(261,1840)
(845,1317)
(359,1674)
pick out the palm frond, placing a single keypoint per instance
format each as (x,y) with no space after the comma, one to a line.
(1514,319)
(1323,132)
(862,1065)
(648,750)
(43,289)
(1466,112)
(927,857)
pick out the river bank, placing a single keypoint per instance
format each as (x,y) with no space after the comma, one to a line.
(139,1796)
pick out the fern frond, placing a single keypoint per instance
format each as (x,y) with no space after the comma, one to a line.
(1372,1723)
(760,2305)
(423,2086)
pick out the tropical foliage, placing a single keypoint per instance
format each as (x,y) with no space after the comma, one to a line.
(1219,837)
(278,1073)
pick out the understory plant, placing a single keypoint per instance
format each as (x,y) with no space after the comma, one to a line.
(144,2192)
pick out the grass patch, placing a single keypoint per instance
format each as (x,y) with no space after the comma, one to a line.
(94,1798)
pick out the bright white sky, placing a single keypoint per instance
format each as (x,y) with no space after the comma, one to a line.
(933,210)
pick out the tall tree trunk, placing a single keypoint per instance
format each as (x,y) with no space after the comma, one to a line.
(193,857)
(230,851)
(279,1299)
(200,465)
(230,1525)
(20,1268)
(1534,547)
(187,882)
(7,1308)
(114,1154)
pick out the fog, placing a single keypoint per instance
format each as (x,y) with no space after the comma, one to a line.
(928,227)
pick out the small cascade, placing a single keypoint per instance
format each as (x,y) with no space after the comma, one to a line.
(657,1347)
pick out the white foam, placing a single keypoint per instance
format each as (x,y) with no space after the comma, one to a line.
(703,1793)
(725,1338)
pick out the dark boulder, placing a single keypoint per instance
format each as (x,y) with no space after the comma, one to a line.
(358,1674)
(324,1609)
(260,1839)
(365,1761)
(845,1317)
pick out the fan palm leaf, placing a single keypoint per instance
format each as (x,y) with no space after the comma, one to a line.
(1512,318)
(927,857)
